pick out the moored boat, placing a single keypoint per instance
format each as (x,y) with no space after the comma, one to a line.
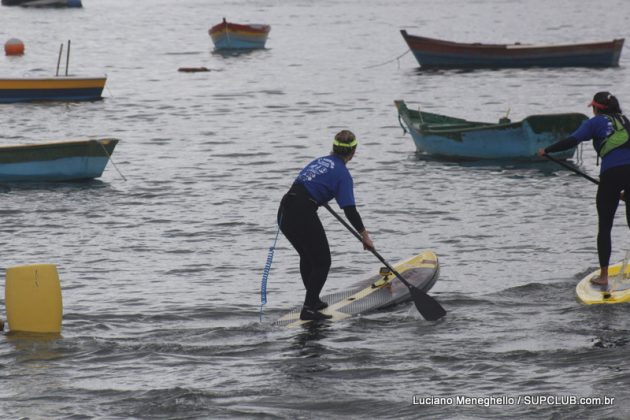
(456,138)
(68,88)
(43,3)
(55,161)
(227,35)
(436,53)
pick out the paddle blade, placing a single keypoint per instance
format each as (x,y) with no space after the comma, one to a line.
(428,307)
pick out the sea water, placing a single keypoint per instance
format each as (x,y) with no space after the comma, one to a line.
(161,273)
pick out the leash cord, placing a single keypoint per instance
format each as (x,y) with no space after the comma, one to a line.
(266,270)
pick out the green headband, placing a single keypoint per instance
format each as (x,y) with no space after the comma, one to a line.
(340,144)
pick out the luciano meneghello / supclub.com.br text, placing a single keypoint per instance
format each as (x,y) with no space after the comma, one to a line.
(513,400)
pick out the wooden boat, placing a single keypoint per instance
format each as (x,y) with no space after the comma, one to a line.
(43,3)
(226,35)
(57,161)
(62,88)
(455,138)
(193,69)
(444,54)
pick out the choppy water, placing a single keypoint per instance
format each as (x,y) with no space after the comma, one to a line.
(161,273)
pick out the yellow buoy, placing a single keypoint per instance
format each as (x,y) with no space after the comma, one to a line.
(14,47)
(33,297)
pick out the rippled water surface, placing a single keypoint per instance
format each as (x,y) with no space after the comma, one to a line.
(161,273)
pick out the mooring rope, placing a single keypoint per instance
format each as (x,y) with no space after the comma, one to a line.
(388,61)
(111,160)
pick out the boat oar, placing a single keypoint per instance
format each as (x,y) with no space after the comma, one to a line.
(566,165)
(68,57)
(59,58)
(428,307)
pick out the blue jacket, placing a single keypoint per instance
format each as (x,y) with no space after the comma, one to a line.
(598,129)
(326,178)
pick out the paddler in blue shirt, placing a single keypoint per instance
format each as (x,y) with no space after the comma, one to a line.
(320,181)
(610,131)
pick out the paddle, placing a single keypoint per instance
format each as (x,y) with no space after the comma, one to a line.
(428,307)
(566,165)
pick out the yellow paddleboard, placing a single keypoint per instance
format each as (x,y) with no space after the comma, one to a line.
(377,292)
(618,287)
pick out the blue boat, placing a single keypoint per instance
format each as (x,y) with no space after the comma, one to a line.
(437,53)
(57,161)
(67,88)
(459,139)
(43,3)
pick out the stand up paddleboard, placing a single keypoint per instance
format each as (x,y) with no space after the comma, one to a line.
(377,292)
(618,286)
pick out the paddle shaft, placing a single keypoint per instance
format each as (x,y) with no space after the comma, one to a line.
(566,165)
(593,180)
(376,254)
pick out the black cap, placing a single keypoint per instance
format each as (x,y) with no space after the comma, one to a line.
(604,101)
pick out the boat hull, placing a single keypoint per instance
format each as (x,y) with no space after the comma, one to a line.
(43,3)
(230,36)
(51,89)
(59,161)
(434,53)
(461,139)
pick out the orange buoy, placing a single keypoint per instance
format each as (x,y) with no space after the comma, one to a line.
(14,47)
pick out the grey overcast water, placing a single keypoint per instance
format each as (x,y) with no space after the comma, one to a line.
(161,273)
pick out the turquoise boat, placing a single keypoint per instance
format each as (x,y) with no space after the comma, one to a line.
(55,161)
(459,139)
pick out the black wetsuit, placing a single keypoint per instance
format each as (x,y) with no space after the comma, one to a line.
(299,222)
(611,184)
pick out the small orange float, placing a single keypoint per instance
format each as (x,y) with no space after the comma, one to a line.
(14,47)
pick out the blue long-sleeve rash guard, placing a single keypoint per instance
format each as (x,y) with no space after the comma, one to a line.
(328,177)
(597,129)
